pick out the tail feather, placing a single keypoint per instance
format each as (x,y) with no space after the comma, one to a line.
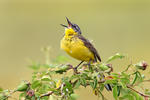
(98,57)
(108,87)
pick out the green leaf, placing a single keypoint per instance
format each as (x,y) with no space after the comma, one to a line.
(123,97)
(35,84)
(83,82)
(116,56)
(73,97)
(123,84)
(115,94)
(92,85)
(118,90)
(147,91)
(136,96)
(101,87)
(125,80)
(95,83)
(3,97)
(1,89)
(135,78)
(68,85)
(23,86)
(77,84)
(103,67)
(140,77)
(111,81)
(130,97)
(127,97)
(62,69)
(22,95)
(46,78)
(76,76)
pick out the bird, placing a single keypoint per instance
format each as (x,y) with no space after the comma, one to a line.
(78,47)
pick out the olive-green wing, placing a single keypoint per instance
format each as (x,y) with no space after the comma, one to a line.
(90,47)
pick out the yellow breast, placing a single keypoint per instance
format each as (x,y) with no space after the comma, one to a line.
(76,48)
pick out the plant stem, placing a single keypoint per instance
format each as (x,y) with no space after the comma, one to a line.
(145,96)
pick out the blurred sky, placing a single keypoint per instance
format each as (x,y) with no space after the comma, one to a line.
(28,25)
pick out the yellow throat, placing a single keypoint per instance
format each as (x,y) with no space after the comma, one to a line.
(75,47)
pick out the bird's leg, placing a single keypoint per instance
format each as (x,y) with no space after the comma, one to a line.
(79,64)
(89,64)
(75,68)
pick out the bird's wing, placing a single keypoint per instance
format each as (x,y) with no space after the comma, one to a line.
(88,44)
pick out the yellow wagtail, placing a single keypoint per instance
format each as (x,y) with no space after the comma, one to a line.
(79,47)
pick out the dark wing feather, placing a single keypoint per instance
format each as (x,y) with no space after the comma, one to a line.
(90,47)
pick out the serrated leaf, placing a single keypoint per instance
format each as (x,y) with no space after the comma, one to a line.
(116,56)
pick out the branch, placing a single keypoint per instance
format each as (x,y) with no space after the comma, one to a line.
(127,67)
(73,84)
(49,93)
(145,96)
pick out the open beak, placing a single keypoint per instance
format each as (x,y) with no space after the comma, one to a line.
(64,25)
(69,24)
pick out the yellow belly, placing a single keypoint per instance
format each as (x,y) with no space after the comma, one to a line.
(77,49)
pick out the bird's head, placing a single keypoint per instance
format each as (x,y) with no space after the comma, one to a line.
(71,29)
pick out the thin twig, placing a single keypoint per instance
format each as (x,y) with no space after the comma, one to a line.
(127,67)
(146,96)
(49,93)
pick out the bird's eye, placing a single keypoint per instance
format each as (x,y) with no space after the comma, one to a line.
(76,28)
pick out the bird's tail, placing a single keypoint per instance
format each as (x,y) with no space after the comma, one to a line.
(108,87)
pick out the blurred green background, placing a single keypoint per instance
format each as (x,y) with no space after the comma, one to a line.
(28,25)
